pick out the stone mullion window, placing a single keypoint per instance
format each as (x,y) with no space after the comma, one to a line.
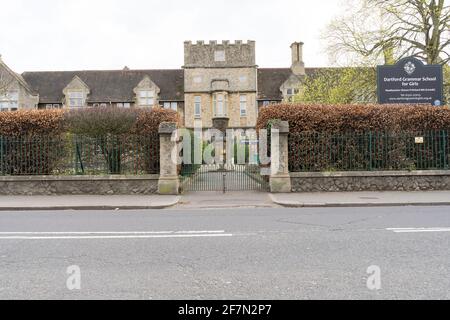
(77,99)
(9,101)
(198,106)
(220,103)
(146,98)
(171,106)
(243,105)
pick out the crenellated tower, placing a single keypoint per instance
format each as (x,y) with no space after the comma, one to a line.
(220,81)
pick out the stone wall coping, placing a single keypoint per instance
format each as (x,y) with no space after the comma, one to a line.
(79,178)
(281,126)
(357,174)
(167,127)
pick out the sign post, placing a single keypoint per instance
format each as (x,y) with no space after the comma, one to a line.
(410,82)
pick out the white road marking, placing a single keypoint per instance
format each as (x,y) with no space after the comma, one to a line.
(111,232)
(418,230)
(110,235)
(116,237)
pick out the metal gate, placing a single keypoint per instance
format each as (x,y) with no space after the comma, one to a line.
(229,177)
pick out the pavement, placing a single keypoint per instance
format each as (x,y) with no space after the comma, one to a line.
(237,254)
(214,200)
(362,199)
(94,202)
(249,199)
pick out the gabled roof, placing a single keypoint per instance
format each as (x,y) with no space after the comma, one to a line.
(106,86)
(16,76)
(270,81)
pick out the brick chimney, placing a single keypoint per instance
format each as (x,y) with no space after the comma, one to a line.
(298,66)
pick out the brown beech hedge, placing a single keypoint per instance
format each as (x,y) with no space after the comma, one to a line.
(41,142)
(31,122)
(357,118)
(363,137)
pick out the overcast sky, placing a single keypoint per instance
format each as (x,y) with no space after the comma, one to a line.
(109,34)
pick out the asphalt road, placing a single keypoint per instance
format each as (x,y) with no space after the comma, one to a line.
(263,253)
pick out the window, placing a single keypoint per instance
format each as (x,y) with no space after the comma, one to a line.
(220,104)
(243,105)
(102,105)
(125,105)
(76,99)
(50,106)
(9,101)
(198,106)
(146,98)
(171,106)
(266,103)
(4,106)
(291,93)
(219,56)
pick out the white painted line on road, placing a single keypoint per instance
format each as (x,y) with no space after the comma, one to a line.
(112,232)
(418,230)
(112,237)
(85,235)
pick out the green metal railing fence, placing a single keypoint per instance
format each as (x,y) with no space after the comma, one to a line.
(369,151)
(79,155)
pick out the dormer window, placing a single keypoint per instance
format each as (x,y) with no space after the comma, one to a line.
(76,99)
(147,93)
(146,98)
(76,93)
(290,93)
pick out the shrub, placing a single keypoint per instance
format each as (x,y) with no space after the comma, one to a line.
(96,122)
(111,129)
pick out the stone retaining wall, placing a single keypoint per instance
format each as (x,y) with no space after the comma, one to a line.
(370,181)
(79,185)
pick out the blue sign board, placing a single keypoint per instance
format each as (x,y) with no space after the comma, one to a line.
(411,82)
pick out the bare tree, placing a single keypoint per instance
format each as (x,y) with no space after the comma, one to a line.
(393,29)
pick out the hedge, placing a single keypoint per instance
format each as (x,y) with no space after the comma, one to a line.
(363,137)
(45,142)
(357,118)
(148,122)
(31,122)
